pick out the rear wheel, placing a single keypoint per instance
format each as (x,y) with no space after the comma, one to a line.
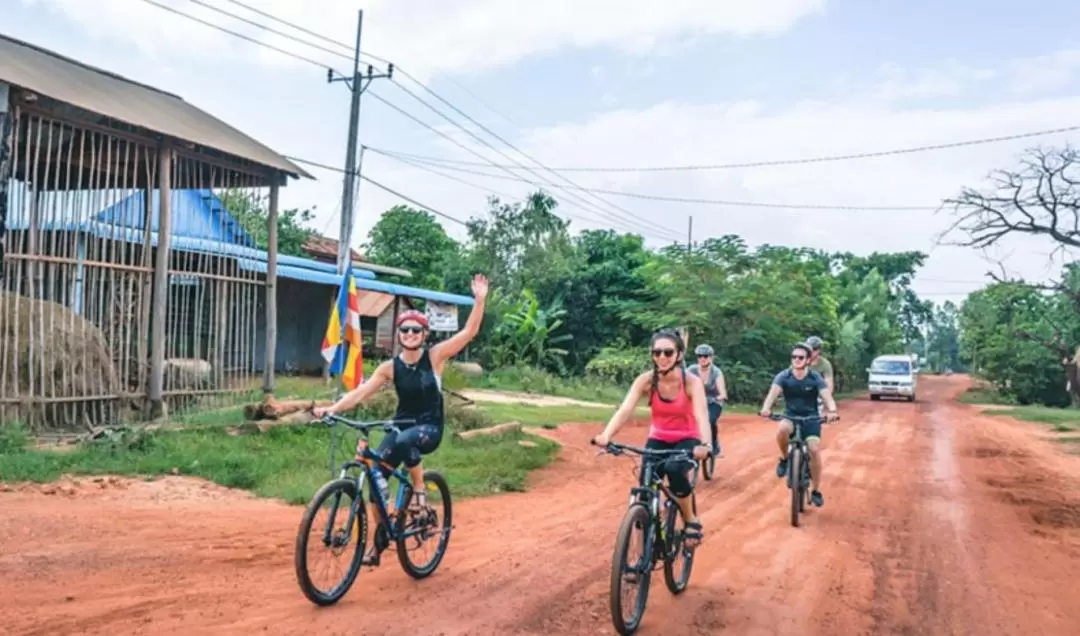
(430,528)
(795,472)
(630,572)
(334,536)
(678,560)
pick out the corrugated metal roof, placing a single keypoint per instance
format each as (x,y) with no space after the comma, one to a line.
(98,91)
(325,278)
(373,304)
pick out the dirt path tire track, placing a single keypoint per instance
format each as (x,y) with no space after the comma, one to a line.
(937,521)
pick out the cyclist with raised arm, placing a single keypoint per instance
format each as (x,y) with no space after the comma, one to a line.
(416,375)
(715,388)
(801,386)
(680,421)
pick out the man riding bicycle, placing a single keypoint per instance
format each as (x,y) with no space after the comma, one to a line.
(820,364)
(715,388)
(801,387)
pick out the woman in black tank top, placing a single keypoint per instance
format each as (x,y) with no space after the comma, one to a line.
(416,375)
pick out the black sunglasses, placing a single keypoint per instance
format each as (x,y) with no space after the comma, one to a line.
(667,353)
(798,357)
(410,329)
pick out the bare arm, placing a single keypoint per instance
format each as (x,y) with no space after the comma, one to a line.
(453,345)
(629,403)
(827,397)
(770,399)
(721,386)
(701,411)
(384,374)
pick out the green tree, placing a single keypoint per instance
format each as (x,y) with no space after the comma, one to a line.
(412,239)
(251,212)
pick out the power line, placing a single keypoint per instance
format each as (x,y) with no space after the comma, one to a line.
(610,216)
(515,148)
(771,162)
(457,143)
(372,56)
(203,3)
(416,203)
(320,65)
(237,34)
(690,200)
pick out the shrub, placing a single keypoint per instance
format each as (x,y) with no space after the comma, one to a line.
(617,366)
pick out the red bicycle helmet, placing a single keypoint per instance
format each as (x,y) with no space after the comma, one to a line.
(414,315)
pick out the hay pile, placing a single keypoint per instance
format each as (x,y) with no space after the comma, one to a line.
(61,355)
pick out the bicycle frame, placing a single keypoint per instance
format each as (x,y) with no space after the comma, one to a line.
(649,490)
(368,464)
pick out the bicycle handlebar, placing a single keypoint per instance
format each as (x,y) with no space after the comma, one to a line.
(387,426)
(616,449)
(801,418)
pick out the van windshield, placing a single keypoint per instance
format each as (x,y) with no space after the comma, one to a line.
(891,367)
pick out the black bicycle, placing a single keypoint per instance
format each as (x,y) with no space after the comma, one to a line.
(798,464)
(407,526)
(660,541)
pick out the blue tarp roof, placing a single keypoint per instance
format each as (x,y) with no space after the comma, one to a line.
(201,224)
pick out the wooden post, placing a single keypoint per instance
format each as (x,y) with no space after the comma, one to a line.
(159,310)
(33,268)
(221,327)
(271,289)
(142,346)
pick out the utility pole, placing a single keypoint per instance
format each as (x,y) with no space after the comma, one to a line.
(690,236)
(357,84)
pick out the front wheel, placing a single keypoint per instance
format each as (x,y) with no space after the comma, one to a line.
(346,523)
(417,529)
(633,571)
(708,467)
(678,559)
(795,481)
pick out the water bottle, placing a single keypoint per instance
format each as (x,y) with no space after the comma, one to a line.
(382,485)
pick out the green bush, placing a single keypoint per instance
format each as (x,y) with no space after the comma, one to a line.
(617,366)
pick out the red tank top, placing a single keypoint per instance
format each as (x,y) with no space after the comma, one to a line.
(672,421)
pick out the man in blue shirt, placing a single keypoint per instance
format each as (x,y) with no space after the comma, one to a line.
(800,385)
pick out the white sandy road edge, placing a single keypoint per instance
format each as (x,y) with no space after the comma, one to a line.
(508,397)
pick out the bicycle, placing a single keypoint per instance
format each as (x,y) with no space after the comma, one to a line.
(797,464)
(661,541)
(404,526)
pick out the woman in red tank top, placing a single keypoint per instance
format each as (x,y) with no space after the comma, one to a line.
(679,420)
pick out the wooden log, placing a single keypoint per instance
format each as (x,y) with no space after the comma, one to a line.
(491,430)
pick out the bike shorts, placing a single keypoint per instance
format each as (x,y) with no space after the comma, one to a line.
(408,446)
(676,470)
(811,428)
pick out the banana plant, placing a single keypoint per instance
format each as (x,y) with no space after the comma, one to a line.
(528,334)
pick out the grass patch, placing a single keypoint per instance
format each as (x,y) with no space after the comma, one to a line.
(287,463)
(1060,420)
(529,380)
(985,395)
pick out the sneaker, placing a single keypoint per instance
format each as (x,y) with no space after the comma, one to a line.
(817,499)
(781,468)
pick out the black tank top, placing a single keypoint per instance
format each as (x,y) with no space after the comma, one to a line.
(419,392)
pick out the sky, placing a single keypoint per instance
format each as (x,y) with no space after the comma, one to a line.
(630,83)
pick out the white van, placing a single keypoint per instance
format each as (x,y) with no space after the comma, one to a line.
(892,376)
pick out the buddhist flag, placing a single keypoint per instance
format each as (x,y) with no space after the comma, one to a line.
(341,346)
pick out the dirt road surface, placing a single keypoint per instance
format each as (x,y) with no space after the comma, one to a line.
(937,521)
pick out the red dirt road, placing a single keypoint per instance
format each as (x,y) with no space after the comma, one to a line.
(937,521)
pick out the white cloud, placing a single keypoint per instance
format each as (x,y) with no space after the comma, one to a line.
(429,36)
(677,133)
(1021,77)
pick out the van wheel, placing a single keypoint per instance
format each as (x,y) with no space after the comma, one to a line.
(874,398)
